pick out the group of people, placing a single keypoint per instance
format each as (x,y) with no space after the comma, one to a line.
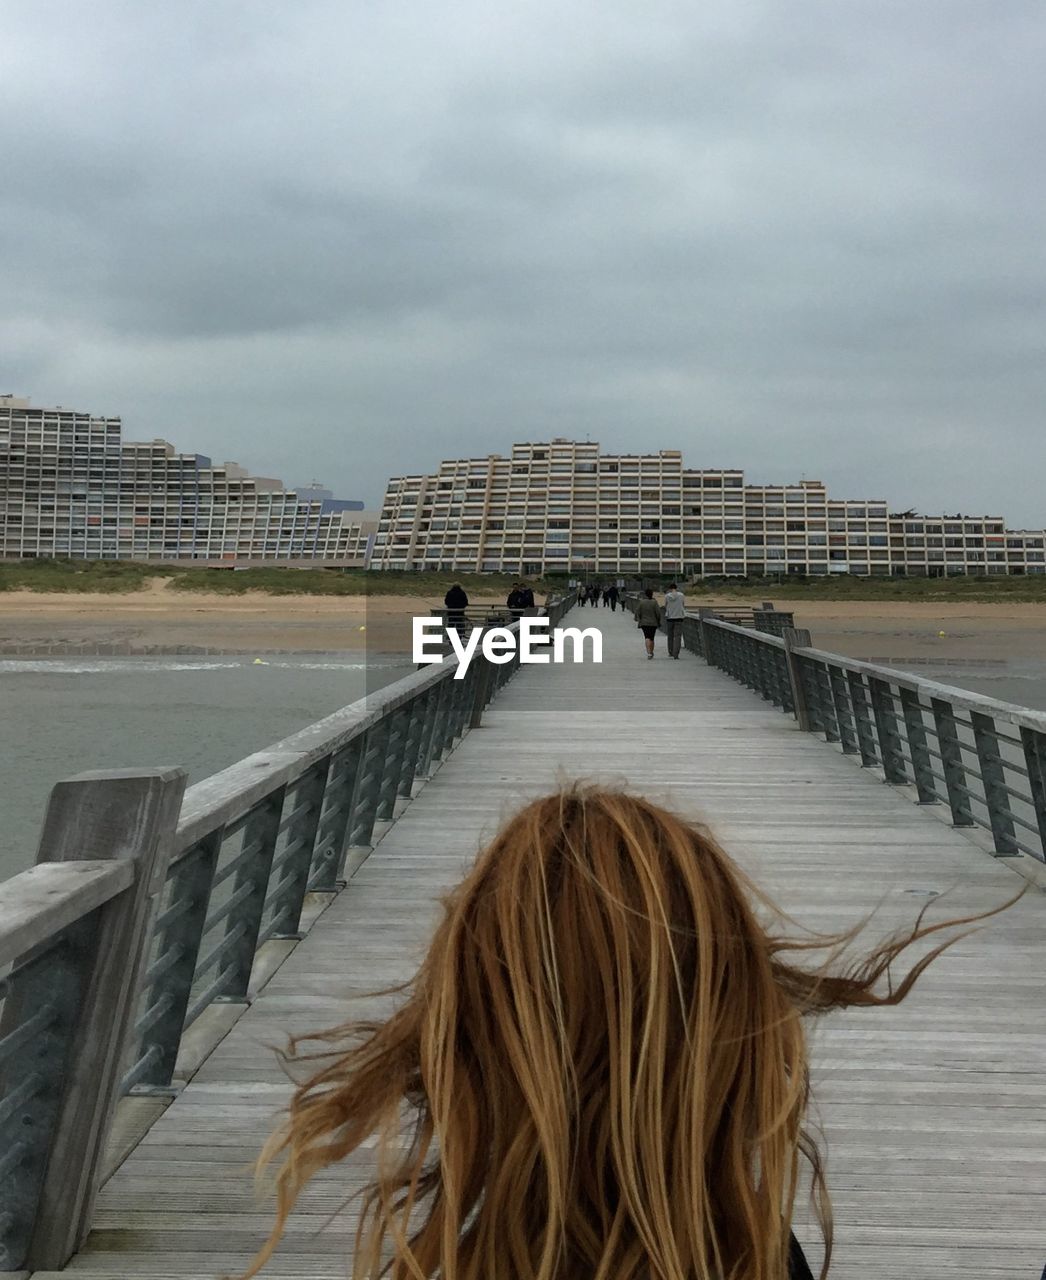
(650,614)
(520,599)
(593,593)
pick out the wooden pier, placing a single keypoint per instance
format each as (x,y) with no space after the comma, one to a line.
(936,1133)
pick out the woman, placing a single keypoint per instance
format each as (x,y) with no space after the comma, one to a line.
(648,619)
(599,1071)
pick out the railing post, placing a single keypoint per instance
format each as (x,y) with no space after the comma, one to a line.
(704,617)
(429,751)
(996,795)
(368,783)
(951,759)
(844,716)
(299,849)
(392,764)
(862,719)
(328,857)
(829,717)
(797,638)
(412,746)
(891,750)
(250,887)
(1034,744)
(459,703)
(922,761)
(179,931)
(482,694)
(119,814)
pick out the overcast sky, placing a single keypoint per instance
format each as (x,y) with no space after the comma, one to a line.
(345,240)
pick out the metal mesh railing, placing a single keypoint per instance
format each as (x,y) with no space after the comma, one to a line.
(983,758)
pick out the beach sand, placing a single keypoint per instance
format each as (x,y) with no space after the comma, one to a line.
(908,633)
(898,633)
(161,617)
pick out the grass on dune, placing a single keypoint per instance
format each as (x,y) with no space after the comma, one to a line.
(114,576)
(1013,589)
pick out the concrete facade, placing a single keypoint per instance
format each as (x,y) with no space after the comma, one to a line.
(71,486)
(562,504)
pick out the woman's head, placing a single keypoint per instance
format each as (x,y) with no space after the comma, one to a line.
(649,593)
(599,1070)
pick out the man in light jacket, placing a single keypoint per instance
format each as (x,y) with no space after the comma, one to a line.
(675,612)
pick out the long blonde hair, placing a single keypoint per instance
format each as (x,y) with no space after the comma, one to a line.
(599,1072)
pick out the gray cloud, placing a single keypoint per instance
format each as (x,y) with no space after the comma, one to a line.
(346,241)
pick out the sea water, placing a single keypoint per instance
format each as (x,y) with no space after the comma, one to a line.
(61,716)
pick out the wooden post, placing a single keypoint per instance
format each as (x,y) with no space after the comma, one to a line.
(128,814)
(797,638)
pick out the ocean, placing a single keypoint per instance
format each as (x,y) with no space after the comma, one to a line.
(61,716)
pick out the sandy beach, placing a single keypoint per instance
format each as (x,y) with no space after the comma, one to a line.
(900,633)
(903,632)
(159,617)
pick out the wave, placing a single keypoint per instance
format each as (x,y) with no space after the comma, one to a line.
(138,666)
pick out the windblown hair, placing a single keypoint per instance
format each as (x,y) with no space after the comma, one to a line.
(599,1071)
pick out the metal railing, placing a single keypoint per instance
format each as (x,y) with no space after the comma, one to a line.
(150,911)
(984,758)
(764,617)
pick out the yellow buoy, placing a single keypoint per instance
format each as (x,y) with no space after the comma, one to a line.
(940,633)
(259,662)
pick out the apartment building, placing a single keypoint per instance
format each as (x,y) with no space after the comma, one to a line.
(70,485)
(563,505)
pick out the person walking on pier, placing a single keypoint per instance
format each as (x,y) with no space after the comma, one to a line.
(612,593)
(675,612)
(600,1068)
(648,619)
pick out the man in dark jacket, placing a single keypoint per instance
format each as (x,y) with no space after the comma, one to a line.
(456,602)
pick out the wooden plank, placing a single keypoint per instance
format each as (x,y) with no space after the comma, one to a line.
(39,903)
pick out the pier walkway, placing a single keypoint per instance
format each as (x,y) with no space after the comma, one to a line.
(935,1126)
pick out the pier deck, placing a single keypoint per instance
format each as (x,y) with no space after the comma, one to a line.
(933,1115)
